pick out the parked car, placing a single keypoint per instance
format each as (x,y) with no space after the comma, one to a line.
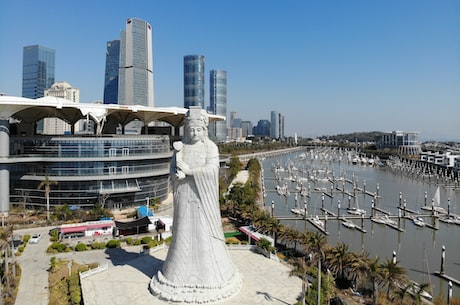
(35,239)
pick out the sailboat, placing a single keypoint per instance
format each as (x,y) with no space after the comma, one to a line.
(297,210)
(435,203)
(355,210)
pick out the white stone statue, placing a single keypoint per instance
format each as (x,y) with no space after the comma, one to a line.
(198,268)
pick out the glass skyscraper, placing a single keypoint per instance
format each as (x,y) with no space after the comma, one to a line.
(135,85)
(274,125)
(262,129)
(38,65)
(112,62)
(218,102)
(194,81)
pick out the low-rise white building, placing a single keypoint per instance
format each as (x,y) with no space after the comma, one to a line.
(446,159)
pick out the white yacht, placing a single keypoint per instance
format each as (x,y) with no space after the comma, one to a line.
(356,211)
(384,219)
(318,222)
(348,224)
(418,221)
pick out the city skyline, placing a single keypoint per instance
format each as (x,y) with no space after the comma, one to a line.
(330,68)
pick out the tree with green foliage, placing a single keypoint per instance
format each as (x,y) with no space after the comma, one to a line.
(114,243)
(235,166)
(266,245)
(80,247)
(326,290)
(374,275)
(392,274)
(315,243)
(154,203)
(401,293)
(338,258)
(63,212)
(98,212)
(300,269)
(74,289)
(46,184)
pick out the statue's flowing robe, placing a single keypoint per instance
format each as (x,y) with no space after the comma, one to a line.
(198,254)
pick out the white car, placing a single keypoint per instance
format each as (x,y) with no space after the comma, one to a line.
(35,239)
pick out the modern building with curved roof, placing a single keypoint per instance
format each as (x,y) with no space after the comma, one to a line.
(103,165)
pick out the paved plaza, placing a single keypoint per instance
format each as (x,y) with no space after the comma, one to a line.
(264,281)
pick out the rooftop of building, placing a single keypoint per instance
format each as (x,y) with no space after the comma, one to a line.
(32,110)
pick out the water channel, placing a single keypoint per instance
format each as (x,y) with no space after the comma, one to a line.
(418,249)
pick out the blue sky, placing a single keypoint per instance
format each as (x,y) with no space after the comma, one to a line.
(331,67)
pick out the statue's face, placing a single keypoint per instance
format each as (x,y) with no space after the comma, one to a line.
(196,132)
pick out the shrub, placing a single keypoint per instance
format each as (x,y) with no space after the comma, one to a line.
(265,244)
(168,240)
(21,249)
(54,235)
(137,242)
(146,239)
(129,240)
(113,243)
(57,247)
(74,289)
(53,262)
(98,245)
(153,243)
(80,247)
(26,238)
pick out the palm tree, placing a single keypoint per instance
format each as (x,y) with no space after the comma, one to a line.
(290,236)
(358,266)
(261,222)
(373,273)
(46,184)
(419,289)
(339,258)
(401,292)
(392,274)
(300,270)
(315,243)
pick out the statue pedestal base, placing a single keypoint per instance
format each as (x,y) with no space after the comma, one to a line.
(193,294)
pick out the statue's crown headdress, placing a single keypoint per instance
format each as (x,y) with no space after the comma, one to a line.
(195,113)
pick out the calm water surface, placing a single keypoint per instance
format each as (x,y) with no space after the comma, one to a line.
(417,249)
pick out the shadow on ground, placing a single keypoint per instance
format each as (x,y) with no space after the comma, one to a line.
(145,263)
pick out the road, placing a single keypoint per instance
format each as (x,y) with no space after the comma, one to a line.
(33,287)
(35,262)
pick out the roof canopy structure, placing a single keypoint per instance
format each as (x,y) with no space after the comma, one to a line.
(32,110)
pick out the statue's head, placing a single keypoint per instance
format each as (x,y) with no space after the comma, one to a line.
(196,125)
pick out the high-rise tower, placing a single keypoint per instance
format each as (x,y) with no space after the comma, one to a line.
(194,81)
(112,63)
(274,125)
(37,70)
(135,84)
(218,102)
